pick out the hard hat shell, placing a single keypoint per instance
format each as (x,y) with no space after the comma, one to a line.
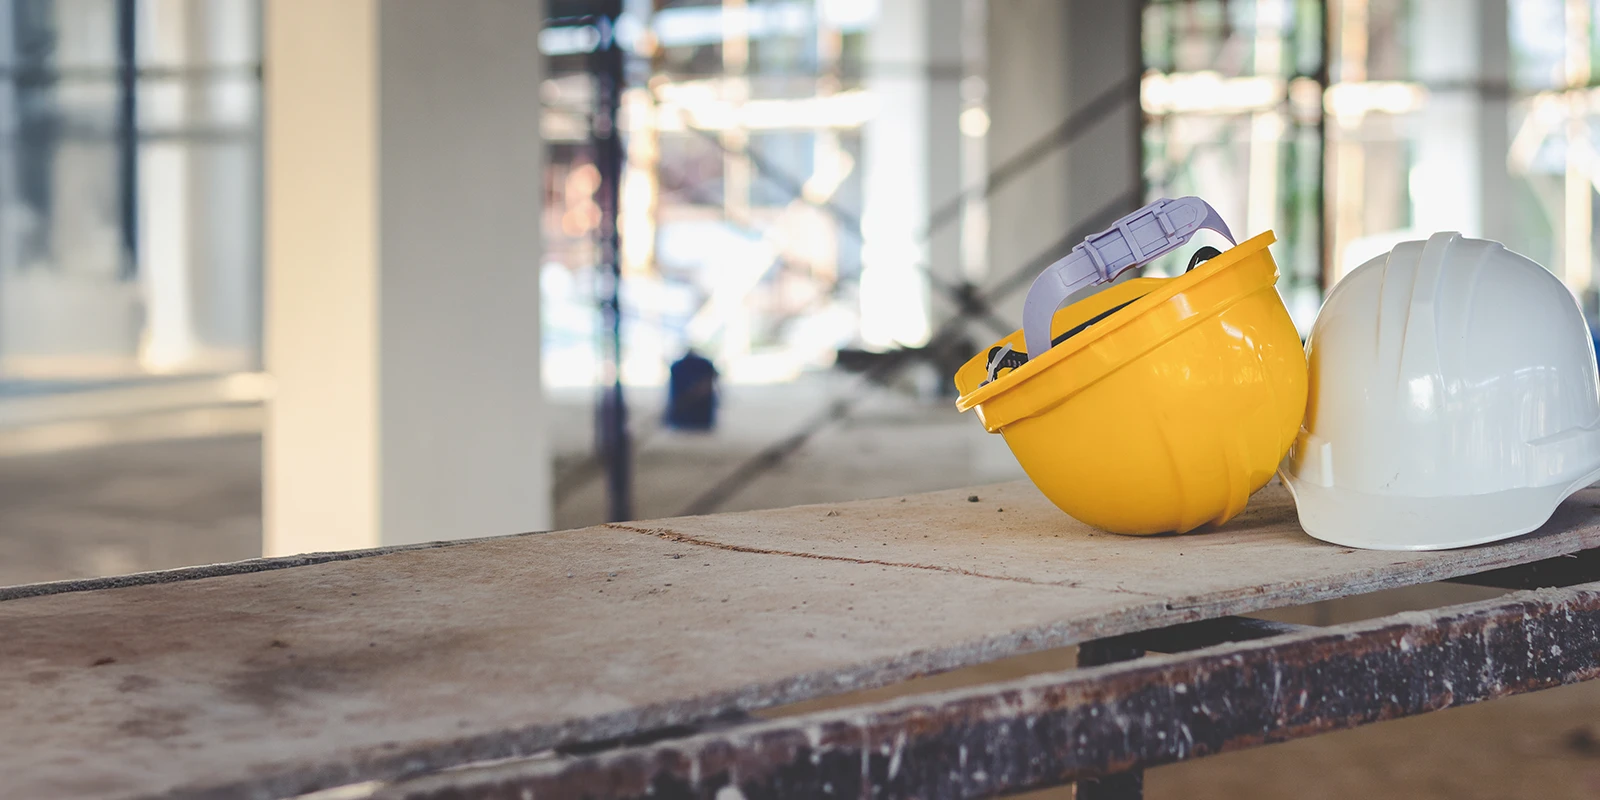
(1168,412)
(1454,400)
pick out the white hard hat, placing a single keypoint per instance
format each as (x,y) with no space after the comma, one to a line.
(1454,400)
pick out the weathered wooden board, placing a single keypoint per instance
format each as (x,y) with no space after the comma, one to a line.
(267,683)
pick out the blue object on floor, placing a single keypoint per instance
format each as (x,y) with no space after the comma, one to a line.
(692,394)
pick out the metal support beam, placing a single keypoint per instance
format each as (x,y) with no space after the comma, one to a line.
(608,66)
(128,135)
(1050,729)
(1175,639)
(1124,785)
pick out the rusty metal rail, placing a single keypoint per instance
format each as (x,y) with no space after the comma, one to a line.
(1091,722)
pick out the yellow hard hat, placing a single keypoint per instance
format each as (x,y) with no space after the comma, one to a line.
(1157,404)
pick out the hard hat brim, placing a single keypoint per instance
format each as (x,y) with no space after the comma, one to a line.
(1378,522)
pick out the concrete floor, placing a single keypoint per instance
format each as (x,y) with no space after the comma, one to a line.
(137,500)
(129,508)
(889,445)
(185,498)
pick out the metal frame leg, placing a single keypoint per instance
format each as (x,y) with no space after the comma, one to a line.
(1123,785)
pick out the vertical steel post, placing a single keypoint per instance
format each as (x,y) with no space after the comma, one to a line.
(1324,79)
(128,134)
(607,65)
(1123,785)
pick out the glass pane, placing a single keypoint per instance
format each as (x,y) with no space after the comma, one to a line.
(66,309)
(199,184)
(129,220)
(1232,117)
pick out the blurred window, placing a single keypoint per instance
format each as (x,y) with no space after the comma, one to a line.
(130,200)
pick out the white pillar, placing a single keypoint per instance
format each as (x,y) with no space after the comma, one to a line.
(1446,179)
(199,202)
(1460,181)
(1047,59)
(911,165)
(171,215)
(403,178)
(1494,120)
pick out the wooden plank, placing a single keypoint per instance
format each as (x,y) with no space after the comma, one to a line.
(274,682)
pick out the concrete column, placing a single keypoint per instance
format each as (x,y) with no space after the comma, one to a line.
(944,137)
(403,183)
(1494,120)
(199,199)
(1047,59)
(911,162)
(1458,181)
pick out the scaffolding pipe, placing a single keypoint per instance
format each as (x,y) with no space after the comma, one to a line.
(607,63)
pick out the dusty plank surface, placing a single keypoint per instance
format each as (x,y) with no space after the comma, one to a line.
(268,683)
